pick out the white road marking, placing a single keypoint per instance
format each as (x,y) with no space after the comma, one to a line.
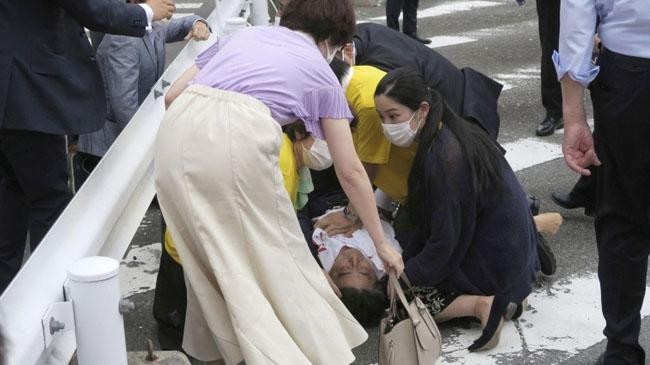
(449,8)
(139,269)
(565,318)
(188,5)
(527,152)
(478,34)
(449,40)
(518,78)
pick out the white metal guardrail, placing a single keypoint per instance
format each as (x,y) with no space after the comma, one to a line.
(100,220)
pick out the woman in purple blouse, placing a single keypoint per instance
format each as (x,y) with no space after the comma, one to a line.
(254,291)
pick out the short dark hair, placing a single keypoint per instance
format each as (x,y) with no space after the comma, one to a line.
(368,306)
(322,19)
(340,68)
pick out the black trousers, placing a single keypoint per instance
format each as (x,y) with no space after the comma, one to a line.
(548,14)
(620,97)
(170,302)
(410,10)
(33,192)
(585,189)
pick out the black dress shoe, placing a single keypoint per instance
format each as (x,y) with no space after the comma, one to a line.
(533,203)
(421,40)
(547,262)
(549,125)
(569,201)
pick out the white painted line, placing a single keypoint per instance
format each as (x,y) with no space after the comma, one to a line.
(520,77)
(449,8)
(188,5)
(528,152)
(447,40)
(139,269)
(181,15)
(475,35)
(566,318)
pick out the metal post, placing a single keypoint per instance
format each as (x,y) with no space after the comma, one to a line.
(260,12)
(99,327)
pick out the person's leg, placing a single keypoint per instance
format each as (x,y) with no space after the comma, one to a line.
(582,195)
(393,9)
(410,20)
(548,12)
(13,220)
(170,302)
(34,194)
(42,170)
(622,127)
(548,222)
(465,306)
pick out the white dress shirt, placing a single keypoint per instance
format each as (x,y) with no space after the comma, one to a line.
(149,12)
(329,247)
(624,28)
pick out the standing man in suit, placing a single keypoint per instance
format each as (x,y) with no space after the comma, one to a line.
(548,15)
(50,86)
(619,147)
(410,21)
(130,67)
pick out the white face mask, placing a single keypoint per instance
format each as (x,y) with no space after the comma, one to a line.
(400,134)
(331,52)
(318,156)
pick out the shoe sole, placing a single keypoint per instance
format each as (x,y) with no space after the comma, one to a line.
(547,261)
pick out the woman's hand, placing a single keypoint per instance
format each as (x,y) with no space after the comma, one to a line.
(391,258)
(336,223)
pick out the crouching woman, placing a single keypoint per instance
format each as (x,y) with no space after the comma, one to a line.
(470,247)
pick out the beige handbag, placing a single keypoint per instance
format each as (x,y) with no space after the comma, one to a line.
(413,340)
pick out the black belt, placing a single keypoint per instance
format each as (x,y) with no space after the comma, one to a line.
(636,61)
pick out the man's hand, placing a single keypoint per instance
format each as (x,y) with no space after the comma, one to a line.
(199,32)
(162,9)
(578,148)
(336,223)
(578,145)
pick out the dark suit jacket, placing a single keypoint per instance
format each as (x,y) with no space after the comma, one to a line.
(468,92)
(49,78)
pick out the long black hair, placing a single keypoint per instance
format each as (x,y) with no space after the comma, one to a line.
(407,87)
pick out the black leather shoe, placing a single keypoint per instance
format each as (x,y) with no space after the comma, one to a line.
(568,201)
(549,125)
(533,203)
(421,40)
(547,261)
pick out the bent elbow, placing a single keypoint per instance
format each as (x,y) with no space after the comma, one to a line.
(352,176)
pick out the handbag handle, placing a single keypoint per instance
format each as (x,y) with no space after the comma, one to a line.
(394,289)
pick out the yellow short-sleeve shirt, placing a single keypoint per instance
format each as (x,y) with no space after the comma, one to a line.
(368,136)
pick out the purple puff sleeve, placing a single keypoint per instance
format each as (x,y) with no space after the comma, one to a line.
(205,56)
(326,102)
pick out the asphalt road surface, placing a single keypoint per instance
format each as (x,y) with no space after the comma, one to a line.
(563,324)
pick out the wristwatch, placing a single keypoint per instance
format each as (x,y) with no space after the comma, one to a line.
(349,215)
